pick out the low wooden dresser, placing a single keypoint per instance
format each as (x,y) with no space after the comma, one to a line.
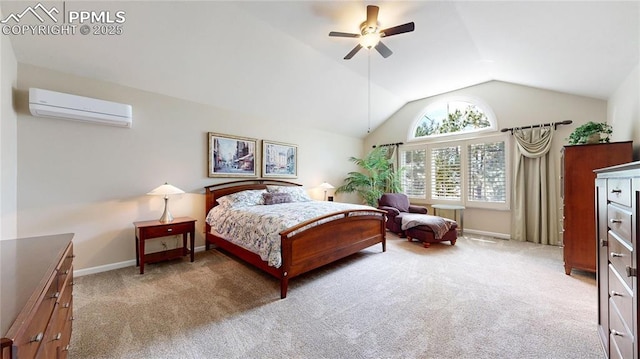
(36,296)
(617,213)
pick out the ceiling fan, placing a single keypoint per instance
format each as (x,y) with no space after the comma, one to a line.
(370,35)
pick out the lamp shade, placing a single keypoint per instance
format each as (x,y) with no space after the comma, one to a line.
(165,189)
(326,185)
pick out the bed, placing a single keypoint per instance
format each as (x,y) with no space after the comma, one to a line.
(304,246)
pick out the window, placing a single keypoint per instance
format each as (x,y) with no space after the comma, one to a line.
(443,166)
(446,173)
(472,172)
(452,117)
(487,175)
(414,180)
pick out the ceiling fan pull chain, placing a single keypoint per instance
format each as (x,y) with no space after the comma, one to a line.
(369,90)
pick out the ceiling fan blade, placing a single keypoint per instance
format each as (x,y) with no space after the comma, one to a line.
(383,50)
(353,52)
(343,34)
(400,29)
(372,16)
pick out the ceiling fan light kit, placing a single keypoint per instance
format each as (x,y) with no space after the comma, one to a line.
(370,34)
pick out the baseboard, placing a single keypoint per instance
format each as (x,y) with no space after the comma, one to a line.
(487,234)
(112,266)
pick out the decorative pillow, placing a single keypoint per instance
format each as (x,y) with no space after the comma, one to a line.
(276,198)
(243,198)
(297,193)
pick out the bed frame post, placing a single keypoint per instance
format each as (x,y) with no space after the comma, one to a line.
(284,285)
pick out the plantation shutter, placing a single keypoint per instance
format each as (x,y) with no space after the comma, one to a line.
(487,175)
(446,173)
(413,163)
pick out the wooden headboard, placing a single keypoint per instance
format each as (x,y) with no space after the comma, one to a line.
(222,189)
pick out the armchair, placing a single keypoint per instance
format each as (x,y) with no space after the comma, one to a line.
(396,204)
(430,230)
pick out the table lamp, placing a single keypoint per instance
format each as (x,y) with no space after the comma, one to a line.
(325,186)
(165,190)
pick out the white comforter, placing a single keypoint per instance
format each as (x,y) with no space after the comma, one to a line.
(257,228)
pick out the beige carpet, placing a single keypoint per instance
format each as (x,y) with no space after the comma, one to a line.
(477,299)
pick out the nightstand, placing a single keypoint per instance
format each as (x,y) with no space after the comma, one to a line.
(155,229)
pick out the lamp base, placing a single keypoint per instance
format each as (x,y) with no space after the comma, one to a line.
(166,215)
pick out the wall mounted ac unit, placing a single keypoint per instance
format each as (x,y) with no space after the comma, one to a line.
(45,103)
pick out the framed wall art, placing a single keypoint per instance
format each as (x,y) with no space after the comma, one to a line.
(279,160)
(232,156)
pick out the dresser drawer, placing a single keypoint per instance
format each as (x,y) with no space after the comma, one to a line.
(619,221)
(28,343)
(619,334)
(619,191)
(620,296)
(621,258)
(64,267)
(167,230)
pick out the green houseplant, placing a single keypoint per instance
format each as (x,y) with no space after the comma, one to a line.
(591,132)
(377,177)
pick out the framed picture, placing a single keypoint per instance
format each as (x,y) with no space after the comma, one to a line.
(232,156)
(279,160)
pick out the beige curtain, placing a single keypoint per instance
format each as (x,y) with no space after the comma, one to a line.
(535,214)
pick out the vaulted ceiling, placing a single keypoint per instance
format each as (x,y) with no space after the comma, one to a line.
(275,60)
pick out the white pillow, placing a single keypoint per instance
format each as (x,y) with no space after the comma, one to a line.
(242,198)
(297,193)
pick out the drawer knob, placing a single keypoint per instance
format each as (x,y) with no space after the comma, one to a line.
(616,191)
(617,333)
(615,294)
(56,295)
(169,229)
(58,336)
(614,255)
(37,338)
(614,220)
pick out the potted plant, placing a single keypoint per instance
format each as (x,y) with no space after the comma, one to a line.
(591,132)
(378,177)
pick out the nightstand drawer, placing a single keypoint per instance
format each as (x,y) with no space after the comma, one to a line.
(167,230)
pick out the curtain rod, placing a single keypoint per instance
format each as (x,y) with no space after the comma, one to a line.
(555,125)
(390,144)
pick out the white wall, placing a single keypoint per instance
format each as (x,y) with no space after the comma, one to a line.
(623,111)
(513,105)
(92,179)
(8,141)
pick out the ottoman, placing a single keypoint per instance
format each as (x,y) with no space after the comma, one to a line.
(425,235)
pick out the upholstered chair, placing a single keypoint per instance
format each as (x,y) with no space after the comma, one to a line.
(396,204)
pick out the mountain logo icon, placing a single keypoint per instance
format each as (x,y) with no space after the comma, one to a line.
(35,11)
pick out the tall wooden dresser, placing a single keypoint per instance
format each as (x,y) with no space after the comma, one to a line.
(617,205)
(579,230)
(36,297)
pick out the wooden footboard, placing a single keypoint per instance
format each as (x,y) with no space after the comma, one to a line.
(308,245)
(327,242)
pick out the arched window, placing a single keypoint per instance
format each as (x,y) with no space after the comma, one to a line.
(460,166)
(453,116)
